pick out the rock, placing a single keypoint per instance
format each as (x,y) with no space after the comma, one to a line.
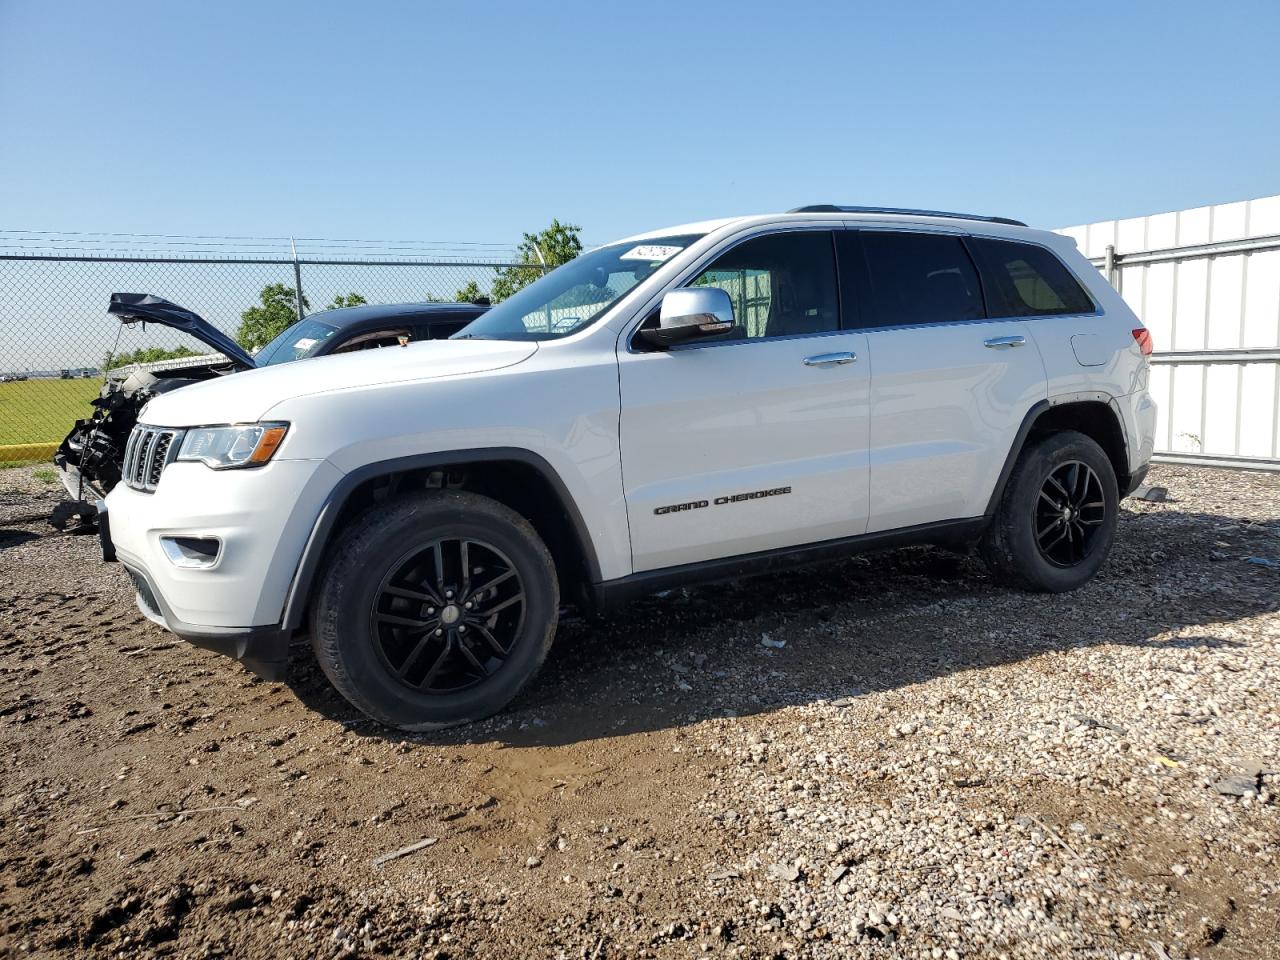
(533,862)
(1238,785)
(786,872)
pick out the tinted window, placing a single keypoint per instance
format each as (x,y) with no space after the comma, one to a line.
(920,278)
(781,285)
(1024,280)
(440,330)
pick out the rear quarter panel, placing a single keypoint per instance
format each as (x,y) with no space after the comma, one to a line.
(1095,357)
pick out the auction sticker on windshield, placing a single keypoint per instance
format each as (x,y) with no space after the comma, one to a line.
(651,252)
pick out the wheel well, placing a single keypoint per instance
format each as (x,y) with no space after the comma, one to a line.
(517,484)
(1095,420)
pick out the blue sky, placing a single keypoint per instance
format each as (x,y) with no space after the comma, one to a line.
(473,122)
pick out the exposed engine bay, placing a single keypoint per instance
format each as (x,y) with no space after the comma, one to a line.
(92,454)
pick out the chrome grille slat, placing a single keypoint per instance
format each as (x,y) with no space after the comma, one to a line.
(148,451)
(130,453)
(144,458)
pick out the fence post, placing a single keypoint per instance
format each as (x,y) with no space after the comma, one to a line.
(297,278)
(1109,265)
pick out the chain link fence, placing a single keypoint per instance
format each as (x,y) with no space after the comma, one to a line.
(56,336)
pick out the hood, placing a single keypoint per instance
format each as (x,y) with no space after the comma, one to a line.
(248,397)
(148,308)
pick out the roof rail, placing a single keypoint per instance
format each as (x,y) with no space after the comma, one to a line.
(835,208)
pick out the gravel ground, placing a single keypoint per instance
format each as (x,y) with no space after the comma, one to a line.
(890,757)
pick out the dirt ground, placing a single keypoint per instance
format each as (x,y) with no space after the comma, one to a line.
(887,757)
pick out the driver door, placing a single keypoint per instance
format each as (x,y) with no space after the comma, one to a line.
(756,439)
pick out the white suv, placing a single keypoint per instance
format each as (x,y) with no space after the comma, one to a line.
(708,401)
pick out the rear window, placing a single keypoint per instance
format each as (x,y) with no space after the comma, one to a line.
(1024,280)
(920,278)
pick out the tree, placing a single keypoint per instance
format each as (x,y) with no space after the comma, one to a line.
(557,244)
(350,300)
(471,293)
(145,355)
(260,325)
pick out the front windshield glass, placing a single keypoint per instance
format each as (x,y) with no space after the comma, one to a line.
(573,295)
(302,339)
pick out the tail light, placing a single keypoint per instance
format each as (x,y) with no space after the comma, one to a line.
(1143,336)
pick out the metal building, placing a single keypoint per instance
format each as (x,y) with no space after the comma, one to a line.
(1206,282)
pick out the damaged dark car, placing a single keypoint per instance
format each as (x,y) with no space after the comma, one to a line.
(91,457)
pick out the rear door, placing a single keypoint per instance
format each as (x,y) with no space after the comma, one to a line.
(949,387)
(1080,344)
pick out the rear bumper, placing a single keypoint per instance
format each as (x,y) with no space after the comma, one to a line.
(1135,481)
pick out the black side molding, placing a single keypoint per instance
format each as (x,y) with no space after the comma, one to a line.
(612,593)
(300,590)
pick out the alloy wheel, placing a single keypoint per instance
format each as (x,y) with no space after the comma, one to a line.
(1070,512)
(447,615)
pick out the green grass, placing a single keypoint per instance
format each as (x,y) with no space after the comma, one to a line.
(47,474)
(41,411)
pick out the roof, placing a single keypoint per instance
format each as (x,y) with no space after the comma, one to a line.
(824,212)
(904,211)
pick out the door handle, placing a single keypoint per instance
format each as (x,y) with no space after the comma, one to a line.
(830,359)
(1004,343)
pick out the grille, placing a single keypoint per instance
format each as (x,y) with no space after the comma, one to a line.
(148,452)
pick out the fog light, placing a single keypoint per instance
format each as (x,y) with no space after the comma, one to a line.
(192,552)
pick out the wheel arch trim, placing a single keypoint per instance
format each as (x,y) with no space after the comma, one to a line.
(322,530)
(1038,409)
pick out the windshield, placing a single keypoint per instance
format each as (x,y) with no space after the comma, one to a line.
(573,295)
(302,339)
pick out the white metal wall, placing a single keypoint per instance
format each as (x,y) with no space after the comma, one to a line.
(1206,282)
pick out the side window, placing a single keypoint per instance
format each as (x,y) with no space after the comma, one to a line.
(440,330)
(920,278)
(1024,280)
(781,285)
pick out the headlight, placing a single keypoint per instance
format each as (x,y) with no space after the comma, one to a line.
(238,445)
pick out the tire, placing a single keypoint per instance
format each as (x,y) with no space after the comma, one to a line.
(1030,543)
(381,649)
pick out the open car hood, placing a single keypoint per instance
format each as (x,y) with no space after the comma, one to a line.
(147,308)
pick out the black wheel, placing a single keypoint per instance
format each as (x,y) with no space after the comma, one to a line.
(435,609)
(1055,522)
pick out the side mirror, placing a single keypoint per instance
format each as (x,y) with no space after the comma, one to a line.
(690,315)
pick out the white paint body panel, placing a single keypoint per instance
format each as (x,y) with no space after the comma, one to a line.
(915,431)
(721,419)
(945,409)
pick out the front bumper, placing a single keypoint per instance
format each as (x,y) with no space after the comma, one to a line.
(77,485)
(263,650)
(262,518)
